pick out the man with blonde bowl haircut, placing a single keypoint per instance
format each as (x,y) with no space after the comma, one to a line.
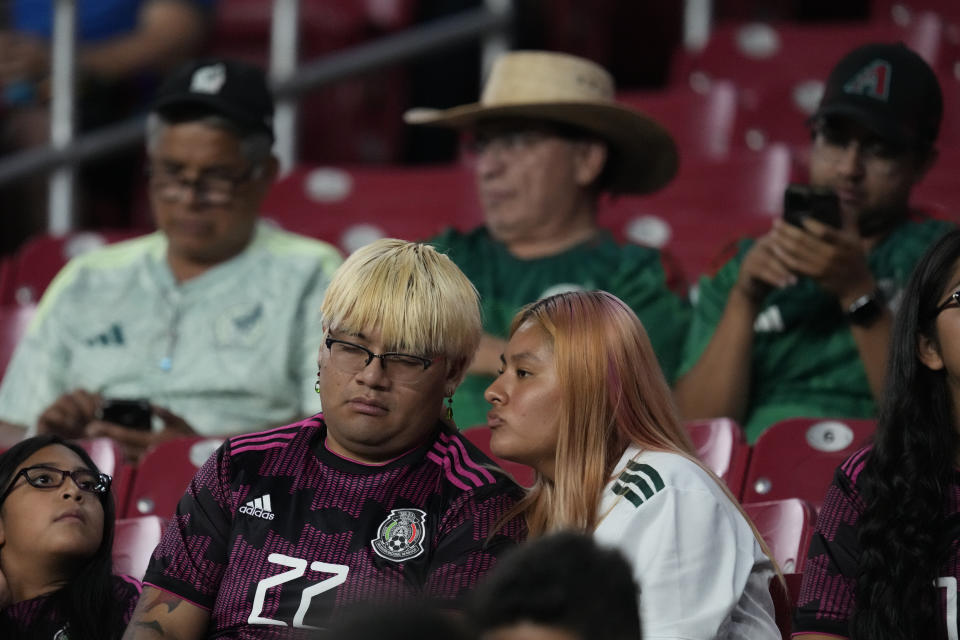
(377,499)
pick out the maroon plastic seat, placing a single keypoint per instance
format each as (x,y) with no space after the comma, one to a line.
(350,207)
(108,456)
(722,446)
(779,69)
(787,527)
(164,473)
(701,123)
(41,258)
(796,458)
(133,542)
(707,205)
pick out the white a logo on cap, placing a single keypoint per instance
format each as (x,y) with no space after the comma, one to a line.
(872,81)
(208,79)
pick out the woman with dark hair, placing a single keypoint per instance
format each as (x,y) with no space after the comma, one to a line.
(884,561)
(581,399)
(56,538)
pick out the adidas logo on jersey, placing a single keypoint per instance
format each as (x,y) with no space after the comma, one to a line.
(259,508)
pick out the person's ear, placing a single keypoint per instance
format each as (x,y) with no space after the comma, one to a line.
(455,372)
(591,158)
(929,353)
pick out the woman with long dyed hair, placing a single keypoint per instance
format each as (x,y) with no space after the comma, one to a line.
(581,399)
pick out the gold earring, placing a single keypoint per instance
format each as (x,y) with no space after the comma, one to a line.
(449,413)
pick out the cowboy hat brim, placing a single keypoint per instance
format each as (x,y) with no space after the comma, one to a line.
(644,154)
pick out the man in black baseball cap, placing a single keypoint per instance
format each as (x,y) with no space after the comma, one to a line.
(211,319)
(797,322)
(233,89)
(889,90)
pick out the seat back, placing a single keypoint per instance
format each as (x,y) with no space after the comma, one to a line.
(14,321)
(164,474)
(701,122)
(134,540)
(796,458)
(480,437)
(352,206)
(108,456)
(787,527)
(722,446)
(42,257)
(707,205)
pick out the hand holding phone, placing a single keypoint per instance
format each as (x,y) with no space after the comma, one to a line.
(131,413)
(801,201)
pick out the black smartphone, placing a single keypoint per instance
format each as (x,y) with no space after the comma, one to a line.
(801,200)
(133,414)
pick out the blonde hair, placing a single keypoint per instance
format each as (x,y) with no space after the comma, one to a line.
(418,298)
(614,395)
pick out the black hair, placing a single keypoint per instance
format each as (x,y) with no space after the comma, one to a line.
(87,603)
(564,581)
(419,620)
(909,472)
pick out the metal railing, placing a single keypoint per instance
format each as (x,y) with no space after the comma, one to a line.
(492,20)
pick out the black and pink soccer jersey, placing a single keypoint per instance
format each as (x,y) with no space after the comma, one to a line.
(827,597)
(38,619)
(276,532)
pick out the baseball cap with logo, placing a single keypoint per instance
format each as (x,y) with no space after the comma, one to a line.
(888,89)
(230,88)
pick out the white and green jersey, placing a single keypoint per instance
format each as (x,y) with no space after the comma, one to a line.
(701,571)
(234,349)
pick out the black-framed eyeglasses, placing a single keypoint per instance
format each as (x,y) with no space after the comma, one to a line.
(353,358)
(215,190)
(45,477)
(952,301)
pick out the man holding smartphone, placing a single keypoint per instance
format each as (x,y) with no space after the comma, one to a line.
(797,322)
(211,319)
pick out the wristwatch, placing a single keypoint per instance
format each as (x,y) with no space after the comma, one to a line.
(866,309)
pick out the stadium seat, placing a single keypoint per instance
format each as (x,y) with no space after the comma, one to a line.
(13,323)
(787,527)
(133,542)
(721,445)
(796,458)
(701,122)
(350,207)
(108,456)
(706,206)
(757,54)
(779,69)
(40,258)
(164,473)
(480,437)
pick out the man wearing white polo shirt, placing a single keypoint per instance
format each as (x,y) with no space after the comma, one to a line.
(213,319)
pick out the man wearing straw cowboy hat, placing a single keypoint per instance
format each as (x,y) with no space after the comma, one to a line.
(548,139)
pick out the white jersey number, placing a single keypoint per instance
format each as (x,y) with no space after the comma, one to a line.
(298,566)
(950,584)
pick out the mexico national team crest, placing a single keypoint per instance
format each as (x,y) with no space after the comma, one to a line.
(400,536)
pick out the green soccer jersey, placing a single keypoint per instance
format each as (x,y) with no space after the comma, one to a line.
(805,361)
(633,273)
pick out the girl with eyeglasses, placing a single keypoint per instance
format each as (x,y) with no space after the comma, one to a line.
(56,538)
(885,558)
